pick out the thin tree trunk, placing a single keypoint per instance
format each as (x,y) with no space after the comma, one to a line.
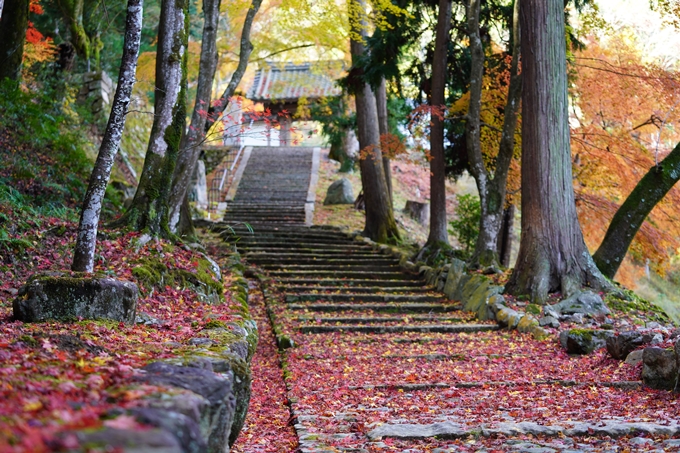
(150,207)
(383,127)
(190,147)
(552,255)
(13,25)
(438,234)
(505,237)
(492,188)
(86,240)
(246,49)
(629,217)
(380,224)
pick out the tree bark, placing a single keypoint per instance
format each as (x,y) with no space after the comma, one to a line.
(190,147)
(85,45)
(149,210)
(491,186)
(246,49)
(438,233)
(13,25)
(383,127)
(629,217)
(553,255)
(505,236)
(86,239)
(380,224)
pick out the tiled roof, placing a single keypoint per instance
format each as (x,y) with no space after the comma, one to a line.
(292,82)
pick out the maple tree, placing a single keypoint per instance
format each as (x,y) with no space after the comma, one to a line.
(624,128)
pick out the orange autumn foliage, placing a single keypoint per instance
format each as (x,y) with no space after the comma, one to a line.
(624,120)
(37,47)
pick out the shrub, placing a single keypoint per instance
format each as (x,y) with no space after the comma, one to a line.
(466,227)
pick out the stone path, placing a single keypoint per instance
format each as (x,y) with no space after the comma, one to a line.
(374,360)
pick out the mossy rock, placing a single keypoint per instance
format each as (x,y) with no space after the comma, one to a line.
(67,298)
(584,341)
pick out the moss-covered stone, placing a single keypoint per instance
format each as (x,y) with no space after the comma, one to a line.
(68,298)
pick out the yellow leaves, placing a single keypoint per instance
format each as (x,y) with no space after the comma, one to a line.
(32,405)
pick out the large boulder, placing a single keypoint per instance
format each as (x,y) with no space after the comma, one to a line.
(68,298)
(659,368)
(585,302)
(619,346)
(583,341)
(340,192)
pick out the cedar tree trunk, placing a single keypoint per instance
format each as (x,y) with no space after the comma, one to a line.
(83,258)
(383,127)
(13,25)
(380,224)
(491,186)
(149,209)
(552,255)
(439,235)
(629,217)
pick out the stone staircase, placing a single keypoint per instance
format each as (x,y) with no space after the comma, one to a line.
(274,186)
(330,282)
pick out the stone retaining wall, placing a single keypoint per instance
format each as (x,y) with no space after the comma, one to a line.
(204,398)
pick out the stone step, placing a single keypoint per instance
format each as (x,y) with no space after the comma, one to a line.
(266,259)
(427,328)
(339,269)
(364,297)
(361,283)
(300,241)
(321,246)
(340,251)
(377,307)
(372,319)
(347,274)
(396,290)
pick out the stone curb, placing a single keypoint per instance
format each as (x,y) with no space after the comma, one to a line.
(206,392)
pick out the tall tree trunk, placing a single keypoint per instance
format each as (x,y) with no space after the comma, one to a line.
(150,207)
(190,147)
(491,186)
(246,49)
(13,25)
(380,224)
(384,128)
(629,217)
(552,255)
(438,234)
(86,240)
(200,122)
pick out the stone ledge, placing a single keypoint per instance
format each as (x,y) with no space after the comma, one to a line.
(453,430)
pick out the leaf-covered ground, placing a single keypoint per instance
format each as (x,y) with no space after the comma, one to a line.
(55,377)
(341,386)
